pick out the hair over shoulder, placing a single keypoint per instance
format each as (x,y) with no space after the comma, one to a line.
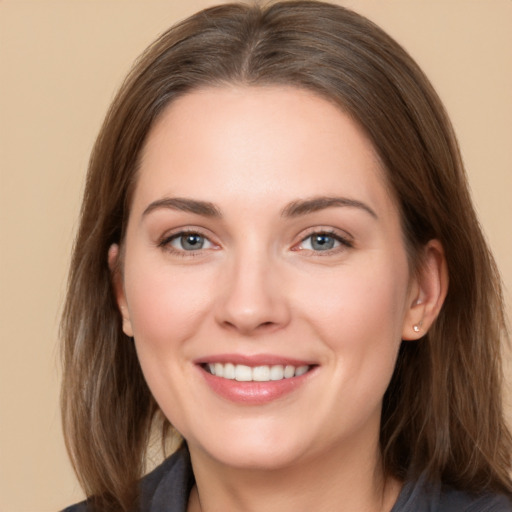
(442,413)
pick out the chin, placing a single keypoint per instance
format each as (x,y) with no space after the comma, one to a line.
(256,457)
(263,449)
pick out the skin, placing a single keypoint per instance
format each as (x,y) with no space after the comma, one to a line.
(259,286)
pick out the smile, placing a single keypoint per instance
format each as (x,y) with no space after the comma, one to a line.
(255,379)
(264,373)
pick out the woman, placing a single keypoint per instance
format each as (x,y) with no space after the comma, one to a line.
(278,256)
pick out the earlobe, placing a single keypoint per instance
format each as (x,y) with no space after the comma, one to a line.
(427,293)
(117,284)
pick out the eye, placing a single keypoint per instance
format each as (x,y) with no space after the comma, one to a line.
(187,242)
(323,242)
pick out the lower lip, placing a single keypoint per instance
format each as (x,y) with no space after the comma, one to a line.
(254,393)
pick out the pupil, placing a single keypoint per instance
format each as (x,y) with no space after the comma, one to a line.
(322,242)
(192,241)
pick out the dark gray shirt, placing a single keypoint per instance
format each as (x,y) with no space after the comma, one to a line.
(166,489)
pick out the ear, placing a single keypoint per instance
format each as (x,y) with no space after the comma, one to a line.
(118,285)
(427,292)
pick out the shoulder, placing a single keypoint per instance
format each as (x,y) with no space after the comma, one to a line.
(454,500)
(167,487)
(78,507)
(422,495)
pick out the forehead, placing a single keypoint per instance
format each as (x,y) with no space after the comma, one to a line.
(252,140)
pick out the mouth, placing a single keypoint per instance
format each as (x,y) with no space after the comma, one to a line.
(263,373)
(256,379)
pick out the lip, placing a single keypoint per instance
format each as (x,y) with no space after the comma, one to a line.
(254,393)
(254,360)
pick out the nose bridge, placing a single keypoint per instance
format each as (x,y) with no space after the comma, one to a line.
(253,298)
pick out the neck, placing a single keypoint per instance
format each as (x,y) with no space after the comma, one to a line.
(342,480)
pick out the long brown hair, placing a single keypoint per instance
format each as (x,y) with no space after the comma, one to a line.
(442,413)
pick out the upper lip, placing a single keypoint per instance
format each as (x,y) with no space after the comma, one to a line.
(254,360)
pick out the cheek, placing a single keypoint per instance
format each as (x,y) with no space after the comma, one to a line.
(359,318)
(359,312)
(165,305)
(359,300)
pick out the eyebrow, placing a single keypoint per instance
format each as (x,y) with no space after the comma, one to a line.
(293,209)
(204,208)
(315,204)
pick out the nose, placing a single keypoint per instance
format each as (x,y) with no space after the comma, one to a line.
(253,299)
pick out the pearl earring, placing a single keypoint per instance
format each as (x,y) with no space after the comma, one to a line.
(417,327)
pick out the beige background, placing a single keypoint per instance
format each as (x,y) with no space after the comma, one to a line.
(60,63)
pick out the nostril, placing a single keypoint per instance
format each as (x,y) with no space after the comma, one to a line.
(267,327)
(247,328)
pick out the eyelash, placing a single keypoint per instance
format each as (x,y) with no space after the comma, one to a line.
(165,243)
(345,243)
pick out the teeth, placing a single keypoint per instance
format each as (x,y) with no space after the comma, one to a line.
(261,373)
(243,373)
(229,371)
(219,370)
(276,372)
(301,370)
(289,371)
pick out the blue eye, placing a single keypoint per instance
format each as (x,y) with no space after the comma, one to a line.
(319,242)
(322,242)
(189,242)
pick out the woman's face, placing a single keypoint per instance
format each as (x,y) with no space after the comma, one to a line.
(263,244)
